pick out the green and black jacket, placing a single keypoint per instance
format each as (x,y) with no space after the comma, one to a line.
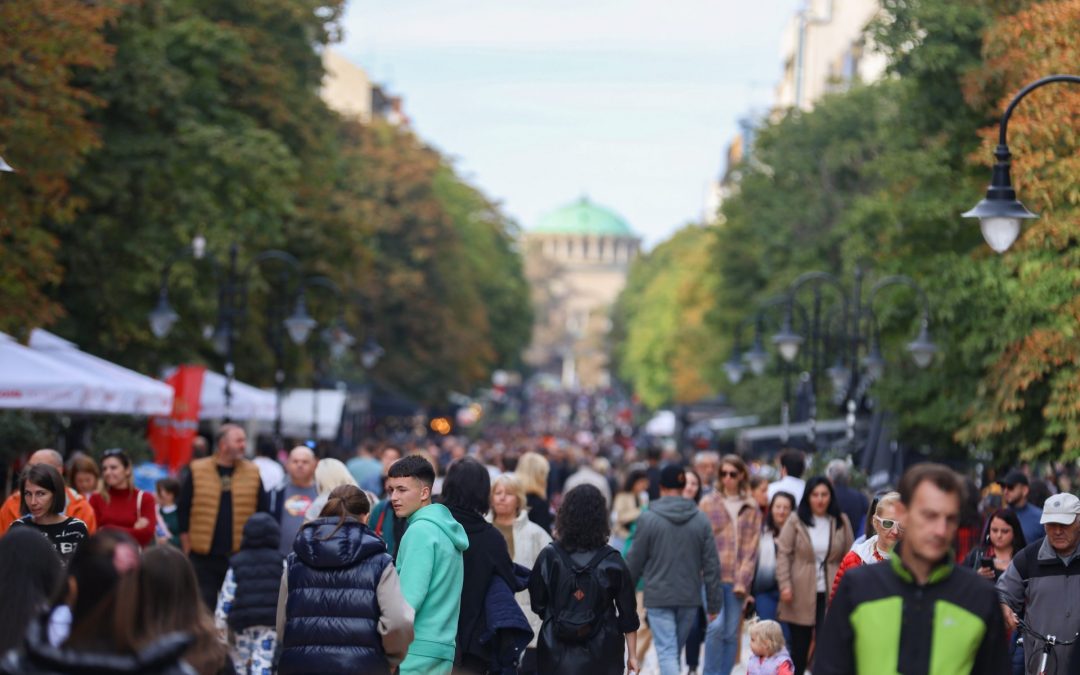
(882,622)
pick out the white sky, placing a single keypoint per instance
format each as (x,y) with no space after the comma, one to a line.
(631,102)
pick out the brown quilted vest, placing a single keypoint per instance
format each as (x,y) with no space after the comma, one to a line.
(207,496)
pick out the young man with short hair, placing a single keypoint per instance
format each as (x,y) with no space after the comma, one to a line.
(430,565)
(919,613)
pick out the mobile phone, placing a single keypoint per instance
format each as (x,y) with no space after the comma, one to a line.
(986,561)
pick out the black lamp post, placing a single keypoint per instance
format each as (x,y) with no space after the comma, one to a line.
(859,329)
(338,340)
(1000,213)
(232,305)
(755,359)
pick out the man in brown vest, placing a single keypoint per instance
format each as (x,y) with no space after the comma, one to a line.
(217,496)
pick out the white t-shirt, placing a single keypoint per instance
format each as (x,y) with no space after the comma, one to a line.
(819,539)
(791,485)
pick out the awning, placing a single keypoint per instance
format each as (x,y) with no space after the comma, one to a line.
(32,380)
(130,392)
(299,408)
(248,402)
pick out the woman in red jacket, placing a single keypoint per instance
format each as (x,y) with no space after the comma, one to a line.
(888,530)
(118,504)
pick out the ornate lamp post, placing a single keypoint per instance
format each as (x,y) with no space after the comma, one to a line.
(859,330)
(232,306)
(1000,214)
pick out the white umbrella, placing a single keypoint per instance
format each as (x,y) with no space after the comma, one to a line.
(133,393)
(31,380)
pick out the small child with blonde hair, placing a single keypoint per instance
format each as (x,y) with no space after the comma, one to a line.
(770,655)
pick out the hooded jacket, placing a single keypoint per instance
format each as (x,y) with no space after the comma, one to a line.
(37,657)
(432,572)
(673,551)
(333,607)
(257,572)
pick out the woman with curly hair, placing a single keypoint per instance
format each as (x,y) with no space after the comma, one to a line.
(580,567)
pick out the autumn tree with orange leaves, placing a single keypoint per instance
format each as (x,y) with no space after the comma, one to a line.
(45,134)
(1030,395)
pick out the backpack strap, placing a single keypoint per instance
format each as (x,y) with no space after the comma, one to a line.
(574,567)
(379,522)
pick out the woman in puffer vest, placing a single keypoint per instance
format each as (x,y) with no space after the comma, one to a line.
(247,603)
(340,609)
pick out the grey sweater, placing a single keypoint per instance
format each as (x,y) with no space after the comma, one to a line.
(674,551)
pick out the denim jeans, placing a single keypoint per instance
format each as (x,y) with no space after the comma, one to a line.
(670,627)
(767,603)
(722,636)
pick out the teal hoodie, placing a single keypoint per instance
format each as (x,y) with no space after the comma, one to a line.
(432,571)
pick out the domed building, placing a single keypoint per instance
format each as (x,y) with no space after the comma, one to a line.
(576,260)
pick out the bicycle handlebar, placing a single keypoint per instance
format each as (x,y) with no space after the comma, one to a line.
(1050,640)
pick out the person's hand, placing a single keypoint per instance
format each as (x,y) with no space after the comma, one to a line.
(712,617)
(986,573)
(185,543)
(747,601)
(161,541)
(786,595)
(1010,617)
(141,523)
(632,664)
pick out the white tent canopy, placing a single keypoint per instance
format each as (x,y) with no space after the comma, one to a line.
(248,402)
(298,408)
(130,393)
(32,380)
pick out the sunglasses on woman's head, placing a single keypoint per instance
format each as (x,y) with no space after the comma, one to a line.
(113,452)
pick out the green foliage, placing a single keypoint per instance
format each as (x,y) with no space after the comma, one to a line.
(665,347)
(875,178)
(138,125)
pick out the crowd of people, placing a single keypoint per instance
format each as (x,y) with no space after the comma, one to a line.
(534,555)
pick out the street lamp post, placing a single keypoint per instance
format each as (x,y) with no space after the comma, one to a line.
(859,329)
(1000,213)
(232,305)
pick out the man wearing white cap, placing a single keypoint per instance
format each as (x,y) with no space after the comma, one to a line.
(1043,581)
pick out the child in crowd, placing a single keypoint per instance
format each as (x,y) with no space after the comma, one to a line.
(770,655)
(168,520)
(247,603)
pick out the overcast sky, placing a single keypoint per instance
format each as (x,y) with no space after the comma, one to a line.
(631,102)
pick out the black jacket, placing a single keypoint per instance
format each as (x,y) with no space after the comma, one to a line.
(38,657)
(257,571)
(486,557)
(332,612)
(603,653)
(507,629)
(539,511)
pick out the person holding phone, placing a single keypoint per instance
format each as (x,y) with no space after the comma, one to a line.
(1004,538)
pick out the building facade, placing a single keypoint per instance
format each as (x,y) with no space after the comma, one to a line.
(576,260)
(824,49)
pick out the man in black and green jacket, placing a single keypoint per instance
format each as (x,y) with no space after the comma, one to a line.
(918,614)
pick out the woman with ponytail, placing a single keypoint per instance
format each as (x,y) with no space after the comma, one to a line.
(340,609)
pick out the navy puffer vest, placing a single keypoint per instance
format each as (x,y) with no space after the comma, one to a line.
(257,571)
(332,615)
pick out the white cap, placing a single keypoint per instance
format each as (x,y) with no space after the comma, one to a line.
(1061,509)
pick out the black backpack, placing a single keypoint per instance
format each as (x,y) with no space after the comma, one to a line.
(577,615)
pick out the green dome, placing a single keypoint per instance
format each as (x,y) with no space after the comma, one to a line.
(583,217)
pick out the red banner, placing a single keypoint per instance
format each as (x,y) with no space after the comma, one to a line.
(171,437)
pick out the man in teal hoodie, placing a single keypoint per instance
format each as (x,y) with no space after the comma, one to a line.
(429,564)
